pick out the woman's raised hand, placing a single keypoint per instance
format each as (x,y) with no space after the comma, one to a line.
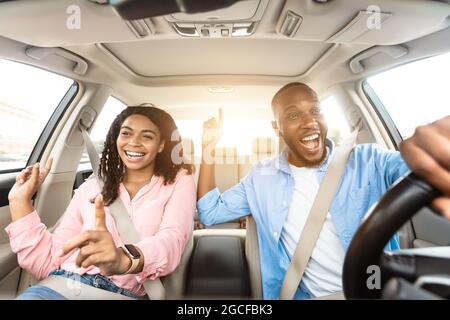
(212,131)
(27,183)
(97,247)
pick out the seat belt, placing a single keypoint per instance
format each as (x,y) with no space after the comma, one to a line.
(252,256)
(315,220)
(127,232)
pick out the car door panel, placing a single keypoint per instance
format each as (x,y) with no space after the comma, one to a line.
(9,268)
(418,243)
(9,284)
(430,229)
(8,260)
(7,180)
(25,137)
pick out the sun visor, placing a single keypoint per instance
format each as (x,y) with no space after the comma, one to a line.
(49,23)
(362,21)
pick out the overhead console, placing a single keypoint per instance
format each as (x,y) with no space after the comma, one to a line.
(238,20)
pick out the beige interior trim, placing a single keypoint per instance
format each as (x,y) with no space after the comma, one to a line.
(410,19)
(8,260)
(175,283)
(5,219)
(219,232)
(56,192)
(353,110)
(26,280)
(395,52)
(80,65)
(357,26)
(253,261)
(8,285)
(319,61)
(116,60)
(49,19)
(336,70)
(248,89)
(240,233)
(377,128)
(9,267)
(126,67)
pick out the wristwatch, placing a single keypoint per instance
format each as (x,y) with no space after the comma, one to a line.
(134,255)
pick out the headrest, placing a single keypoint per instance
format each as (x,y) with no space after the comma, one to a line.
(263,146)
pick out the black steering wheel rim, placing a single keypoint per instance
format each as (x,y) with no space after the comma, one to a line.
(396,207)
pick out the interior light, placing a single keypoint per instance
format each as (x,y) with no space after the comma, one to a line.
(220,89)
(242,29)
(186,30)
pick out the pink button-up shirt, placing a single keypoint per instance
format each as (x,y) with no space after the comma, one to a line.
(162,215)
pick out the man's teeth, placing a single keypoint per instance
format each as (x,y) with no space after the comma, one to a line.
(311,137)
(134,154)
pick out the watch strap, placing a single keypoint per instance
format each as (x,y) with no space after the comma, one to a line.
(134,261)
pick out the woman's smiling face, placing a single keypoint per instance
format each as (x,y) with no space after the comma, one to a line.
(139,142)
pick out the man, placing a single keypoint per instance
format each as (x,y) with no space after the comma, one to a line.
(279,193)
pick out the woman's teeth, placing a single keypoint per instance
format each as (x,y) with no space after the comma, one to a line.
(134,154)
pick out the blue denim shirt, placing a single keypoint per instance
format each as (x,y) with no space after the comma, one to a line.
(266,193)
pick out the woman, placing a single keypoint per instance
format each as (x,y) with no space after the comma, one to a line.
(138,165)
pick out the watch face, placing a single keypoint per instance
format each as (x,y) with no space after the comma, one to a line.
(133,251)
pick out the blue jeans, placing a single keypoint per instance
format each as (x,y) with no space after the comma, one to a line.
(303,293)
(99,281)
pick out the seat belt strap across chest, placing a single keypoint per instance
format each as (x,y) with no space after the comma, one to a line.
(316,218)
(127,232)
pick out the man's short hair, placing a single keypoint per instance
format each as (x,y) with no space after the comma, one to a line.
(290,85)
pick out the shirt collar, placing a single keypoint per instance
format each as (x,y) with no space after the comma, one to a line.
(282,162)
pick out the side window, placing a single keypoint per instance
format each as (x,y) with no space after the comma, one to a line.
(413,94)
(98,134)
(28,98)
(406,97)
(338,128)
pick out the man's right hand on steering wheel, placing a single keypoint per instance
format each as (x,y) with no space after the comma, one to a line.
(427,153)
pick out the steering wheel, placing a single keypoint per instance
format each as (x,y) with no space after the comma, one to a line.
(396,270)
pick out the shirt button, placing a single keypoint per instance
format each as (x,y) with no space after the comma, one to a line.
(284,203)
(275,234)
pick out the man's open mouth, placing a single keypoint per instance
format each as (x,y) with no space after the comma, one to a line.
(311,142)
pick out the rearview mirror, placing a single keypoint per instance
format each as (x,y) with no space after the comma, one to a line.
(139,9)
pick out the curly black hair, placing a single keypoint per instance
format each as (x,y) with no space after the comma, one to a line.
(111,169)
